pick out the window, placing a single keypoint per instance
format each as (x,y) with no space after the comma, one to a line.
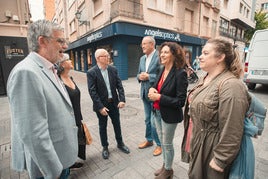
(206,26)
(233,31)
(264,6)
(239,33)
(97,6)
(152,4)
(213,28)
(72,26)
(224,25)
(169,6)
(241,8)
(188,22)
(165,6)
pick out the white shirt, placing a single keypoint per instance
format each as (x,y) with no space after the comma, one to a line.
(148,60)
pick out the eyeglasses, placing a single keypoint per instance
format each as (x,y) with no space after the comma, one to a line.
(106,56)
(61,41)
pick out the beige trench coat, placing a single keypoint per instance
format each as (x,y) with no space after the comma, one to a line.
(217,110)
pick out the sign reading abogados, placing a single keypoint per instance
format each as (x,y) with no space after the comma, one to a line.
(163,35)
(13,52)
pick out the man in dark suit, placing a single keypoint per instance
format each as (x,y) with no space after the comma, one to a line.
(148,69)
(107,93)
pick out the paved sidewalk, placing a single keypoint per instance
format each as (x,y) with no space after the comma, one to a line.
(140,163)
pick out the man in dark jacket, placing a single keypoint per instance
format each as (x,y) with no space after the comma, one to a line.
(107,93)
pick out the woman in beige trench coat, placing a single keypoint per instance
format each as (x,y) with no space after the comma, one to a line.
(214,113)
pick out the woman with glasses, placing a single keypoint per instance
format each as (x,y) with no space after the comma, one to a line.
(65,65)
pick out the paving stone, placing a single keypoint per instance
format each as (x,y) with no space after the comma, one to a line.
(140,163)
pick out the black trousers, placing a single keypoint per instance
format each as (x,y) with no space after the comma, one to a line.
(113,113)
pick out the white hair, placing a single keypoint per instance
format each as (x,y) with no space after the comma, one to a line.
(64,58)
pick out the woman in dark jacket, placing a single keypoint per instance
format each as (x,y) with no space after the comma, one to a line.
(65,65)
(169,94)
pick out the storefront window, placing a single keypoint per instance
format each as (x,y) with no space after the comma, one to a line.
(89,58)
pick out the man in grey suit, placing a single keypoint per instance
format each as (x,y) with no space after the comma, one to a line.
(43,129)
(148,69)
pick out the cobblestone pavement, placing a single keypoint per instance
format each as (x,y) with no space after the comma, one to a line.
(139,164)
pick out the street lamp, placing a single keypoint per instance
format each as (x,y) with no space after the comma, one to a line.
(78,16)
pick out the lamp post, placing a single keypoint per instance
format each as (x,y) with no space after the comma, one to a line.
(78,16)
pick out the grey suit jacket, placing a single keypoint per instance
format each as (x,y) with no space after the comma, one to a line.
(43,129)
(153,70)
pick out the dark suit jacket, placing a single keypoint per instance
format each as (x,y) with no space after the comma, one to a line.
(173,95)
(98,90)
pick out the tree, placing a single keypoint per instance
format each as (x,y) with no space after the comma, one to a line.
(261,19)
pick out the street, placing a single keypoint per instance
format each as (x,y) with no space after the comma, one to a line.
(140,163)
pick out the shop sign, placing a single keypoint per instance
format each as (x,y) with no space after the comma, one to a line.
(94,37)
(161,34)
(13,52)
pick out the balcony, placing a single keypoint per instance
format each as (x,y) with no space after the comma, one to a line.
(127,8)
(228,33)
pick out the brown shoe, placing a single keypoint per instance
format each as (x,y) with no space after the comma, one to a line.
(157,151)
(145,144)
(159,171)
(165,174)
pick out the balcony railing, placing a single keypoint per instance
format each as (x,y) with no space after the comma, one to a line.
(227,33)
(127,8)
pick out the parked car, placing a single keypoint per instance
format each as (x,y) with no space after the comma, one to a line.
(256,64)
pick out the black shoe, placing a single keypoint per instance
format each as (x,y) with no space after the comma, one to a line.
(123,148)
(105,153)
(76,165)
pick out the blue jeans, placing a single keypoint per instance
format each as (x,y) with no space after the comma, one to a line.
(150,131)
(114,115)
(166,133)
(64,174)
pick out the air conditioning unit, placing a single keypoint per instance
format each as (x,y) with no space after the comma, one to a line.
(15,18)
(8,14)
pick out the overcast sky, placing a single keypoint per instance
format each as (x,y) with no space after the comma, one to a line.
(37,9)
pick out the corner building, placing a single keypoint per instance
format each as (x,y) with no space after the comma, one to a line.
(120,25)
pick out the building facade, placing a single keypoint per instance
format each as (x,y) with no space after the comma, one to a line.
(13,31)
(49,9)
(120,25)
(262,5)
(235,18)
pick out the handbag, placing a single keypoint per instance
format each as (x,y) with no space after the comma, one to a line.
(87,134)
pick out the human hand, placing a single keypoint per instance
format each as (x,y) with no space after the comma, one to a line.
(214,166)
(153,94)
(153,90)
(121,105)
(104,111)
(144,76)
